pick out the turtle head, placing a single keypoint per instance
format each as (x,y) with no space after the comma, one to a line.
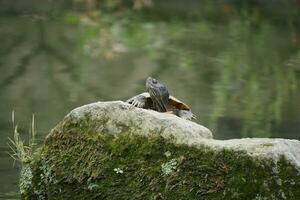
(158,93)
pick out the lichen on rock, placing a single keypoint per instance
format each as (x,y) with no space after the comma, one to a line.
(108,150)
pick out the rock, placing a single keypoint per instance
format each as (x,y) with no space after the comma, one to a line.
(262,148)
(120,117)
(107,150)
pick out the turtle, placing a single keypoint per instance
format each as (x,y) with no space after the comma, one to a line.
(158,98)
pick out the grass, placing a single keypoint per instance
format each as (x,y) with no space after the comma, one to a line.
(20,151)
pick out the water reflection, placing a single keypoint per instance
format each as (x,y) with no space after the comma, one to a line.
(240,75)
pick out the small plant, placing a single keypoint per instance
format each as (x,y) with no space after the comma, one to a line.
(169,167)
(168,154)
(93,186)
(118,171)
(19,150)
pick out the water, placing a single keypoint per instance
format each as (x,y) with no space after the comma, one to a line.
(240,75)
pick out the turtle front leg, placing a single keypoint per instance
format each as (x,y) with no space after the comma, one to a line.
(137,101)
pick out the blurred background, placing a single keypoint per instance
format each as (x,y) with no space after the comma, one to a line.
(235,62)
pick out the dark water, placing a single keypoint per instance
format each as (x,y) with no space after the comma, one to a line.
(239,72)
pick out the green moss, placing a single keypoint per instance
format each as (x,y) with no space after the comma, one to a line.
(77,164)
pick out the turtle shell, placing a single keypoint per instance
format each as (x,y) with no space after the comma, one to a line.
(176,103)
(173,103)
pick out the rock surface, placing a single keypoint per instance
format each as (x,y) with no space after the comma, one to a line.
(121,117)
(108,150)
(262,148)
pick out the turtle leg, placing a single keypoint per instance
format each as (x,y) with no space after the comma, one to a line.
(185,114)
(137,101)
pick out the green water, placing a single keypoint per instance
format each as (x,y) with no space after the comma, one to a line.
(238,69)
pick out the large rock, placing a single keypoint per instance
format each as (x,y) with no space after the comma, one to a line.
(108,150)
(118,117)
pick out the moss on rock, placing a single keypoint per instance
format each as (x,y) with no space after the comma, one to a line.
(77,162)
(82,166)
